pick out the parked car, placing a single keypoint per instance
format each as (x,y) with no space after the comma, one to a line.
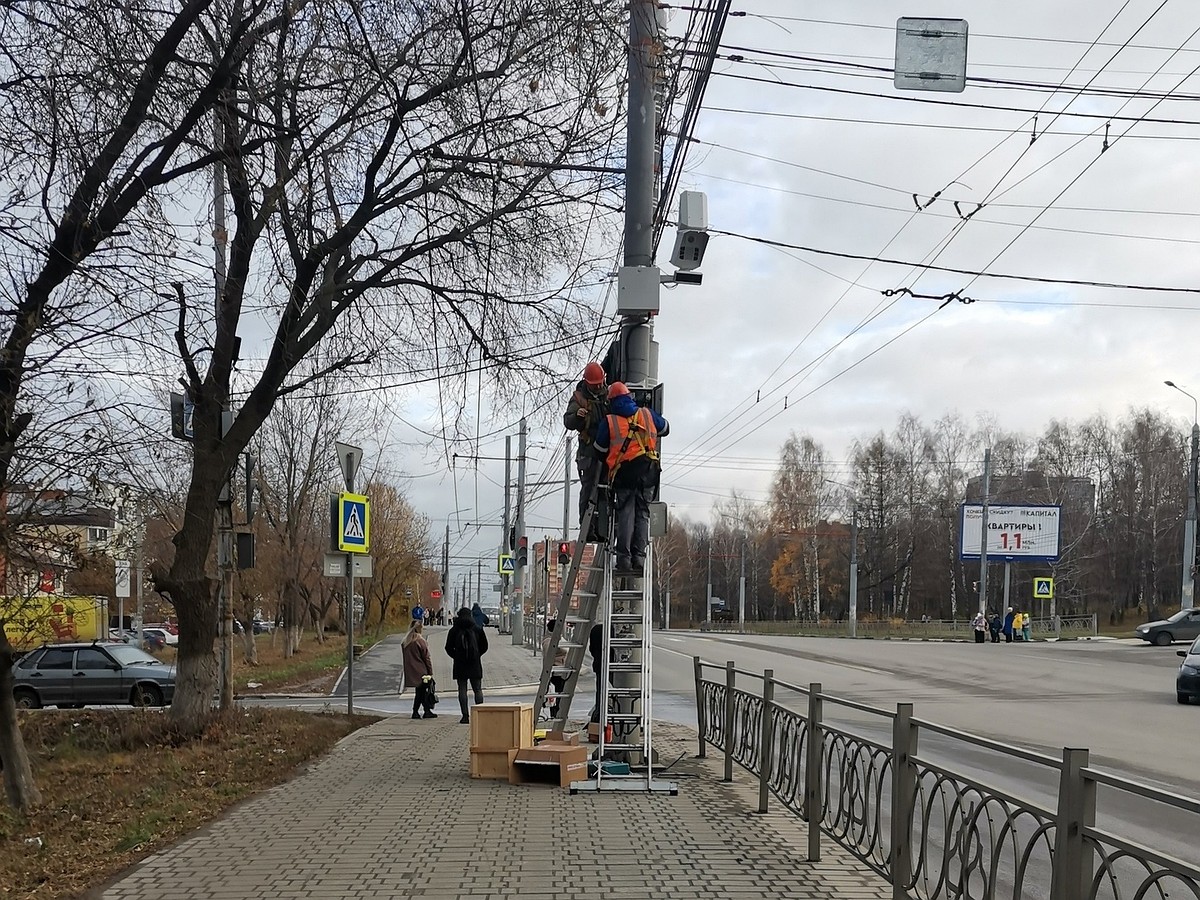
(76,675)
(1187,682)
(154,639)
(1183,626)
(263,627)
(493,614)
(170,632)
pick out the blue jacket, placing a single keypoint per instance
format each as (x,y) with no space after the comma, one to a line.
(625,406)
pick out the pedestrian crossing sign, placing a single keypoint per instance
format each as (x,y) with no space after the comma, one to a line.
(354,523)
(505,564)
(1043,588)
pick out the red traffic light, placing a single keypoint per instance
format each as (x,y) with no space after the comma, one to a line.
(564,553)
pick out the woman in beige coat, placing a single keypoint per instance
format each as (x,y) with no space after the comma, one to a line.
(418,666)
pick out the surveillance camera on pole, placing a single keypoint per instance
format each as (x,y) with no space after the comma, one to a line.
(691,234)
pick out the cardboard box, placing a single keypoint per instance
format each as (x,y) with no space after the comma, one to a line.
(593,732)
(501,726)
(490,763)
(562,737)
(547,764)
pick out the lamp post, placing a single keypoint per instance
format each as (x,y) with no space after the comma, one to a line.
(1187,591)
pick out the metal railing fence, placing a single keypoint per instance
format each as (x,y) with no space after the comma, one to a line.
(930,830)
(1084,624)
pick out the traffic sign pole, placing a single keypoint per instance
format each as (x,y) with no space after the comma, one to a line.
(349,458)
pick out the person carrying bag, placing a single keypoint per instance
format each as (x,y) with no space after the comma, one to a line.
(418,671)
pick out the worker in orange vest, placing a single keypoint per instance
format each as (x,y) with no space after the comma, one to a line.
(628,438)
(587,406)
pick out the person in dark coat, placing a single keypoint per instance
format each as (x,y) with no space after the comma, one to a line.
(1008,625)
(480,617)
(465,644)
(418,669)
(995,626)
(587,406)
(596,648)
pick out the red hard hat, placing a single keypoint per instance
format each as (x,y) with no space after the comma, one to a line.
(618,389)
(593,373)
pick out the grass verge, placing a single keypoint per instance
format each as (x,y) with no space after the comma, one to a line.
(118,785)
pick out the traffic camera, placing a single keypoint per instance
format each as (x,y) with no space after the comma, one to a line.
(691,231)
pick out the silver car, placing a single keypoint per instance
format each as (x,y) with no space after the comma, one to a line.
(77,675)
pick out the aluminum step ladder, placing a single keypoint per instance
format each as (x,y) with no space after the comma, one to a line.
(576,612)
(626,693)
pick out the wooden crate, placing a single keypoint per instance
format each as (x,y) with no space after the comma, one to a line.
(489,764)
(501,726)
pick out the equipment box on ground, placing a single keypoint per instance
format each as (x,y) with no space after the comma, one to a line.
(548,764)
(501,726)
(490,763)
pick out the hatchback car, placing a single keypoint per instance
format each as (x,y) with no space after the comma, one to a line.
(76,675)
(1183,626)
(1187,682)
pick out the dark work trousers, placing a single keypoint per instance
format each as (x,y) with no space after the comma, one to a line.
(586,466)
(632,506)
(476,686)
(419,698)
(995,637)
(559,683)
(978,637)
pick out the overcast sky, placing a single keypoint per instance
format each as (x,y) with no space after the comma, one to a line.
(822,173)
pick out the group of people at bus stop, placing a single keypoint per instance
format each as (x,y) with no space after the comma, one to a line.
(1014,625)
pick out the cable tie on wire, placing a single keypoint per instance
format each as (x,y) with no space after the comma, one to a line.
(1034,135)
(1104,146)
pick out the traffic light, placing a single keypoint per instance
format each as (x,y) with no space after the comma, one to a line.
(522,552)
(564,553)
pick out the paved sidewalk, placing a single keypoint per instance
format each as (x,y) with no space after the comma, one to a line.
(391,813)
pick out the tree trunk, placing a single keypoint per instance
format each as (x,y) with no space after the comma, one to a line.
(249,644)
(19,787)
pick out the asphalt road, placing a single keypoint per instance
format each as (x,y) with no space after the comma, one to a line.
(1115,698)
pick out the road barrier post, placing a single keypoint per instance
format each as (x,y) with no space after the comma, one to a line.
(765,748)
(904,792)
(1072,871)
(701,715)
(813,788)
(730,675)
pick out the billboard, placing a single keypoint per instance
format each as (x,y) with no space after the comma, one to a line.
(30,621)
(1014,532)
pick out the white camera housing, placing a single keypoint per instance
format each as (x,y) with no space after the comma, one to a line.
(691,235)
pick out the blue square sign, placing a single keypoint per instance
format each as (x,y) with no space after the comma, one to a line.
(354,523)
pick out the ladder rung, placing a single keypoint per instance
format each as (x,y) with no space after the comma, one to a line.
(569,645)
(578,620)
(624,717)
(625,617)
(561,670)
(625,667)
(628,594)
(608,746)
(625,642)
(624,692)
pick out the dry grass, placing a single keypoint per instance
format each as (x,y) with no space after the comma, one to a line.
(118,785)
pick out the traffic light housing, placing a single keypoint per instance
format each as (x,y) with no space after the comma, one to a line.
(564,553)
(522,552)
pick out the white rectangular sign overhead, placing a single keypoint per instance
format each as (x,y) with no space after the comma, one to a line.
(931,55)
(1014,532)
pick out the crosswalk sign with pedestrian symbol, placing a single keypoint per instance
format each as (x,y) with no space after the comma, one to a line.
(1043,588)
(354,523)
(504,564)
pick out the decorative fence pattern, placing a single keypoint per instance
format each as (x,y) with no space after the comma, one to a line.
(936,629)
(933,833)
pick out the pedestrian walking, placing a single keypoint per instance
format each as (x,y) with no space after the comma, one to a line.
(587,406)
(557,682)
(465,644)
(979,623)
(596,648)
(628,436)
(1026,627)
(418,612)
(1007,627)
(418,670)
(997,624)
(480,617)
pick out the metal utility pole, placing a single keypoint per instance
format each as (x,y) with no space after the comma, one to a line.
(566,533)
(854,574)
(225,499)
(1187,593)
(742,590)
(479,582)
(445,569)
(708,586)
(517,609)
(505,541)
(983,535)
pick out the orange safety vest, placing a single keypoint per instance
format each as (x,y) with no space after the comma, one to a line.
(630,438)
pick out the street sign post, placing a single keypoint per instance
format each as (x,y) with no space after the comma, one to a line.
(352,525)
